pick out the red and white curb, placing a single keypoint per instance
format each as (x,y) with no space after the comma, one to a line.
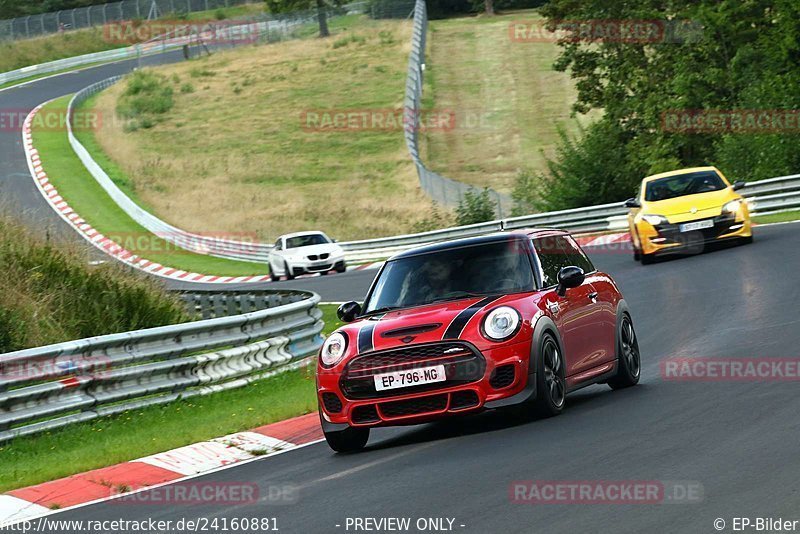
(153,471)
(63,209)
(603,240)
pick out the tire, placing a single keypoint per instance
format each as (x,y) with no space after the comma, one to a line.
(551,384)
(273,276)
(648,259)
(637,256)
(352,439)
(629,366)
(324,273)
(746,240)
(289,275)
(341,269)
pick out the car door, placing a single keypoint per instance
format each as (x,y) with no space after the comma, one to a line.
(575,312)
(275,259)
(603,312)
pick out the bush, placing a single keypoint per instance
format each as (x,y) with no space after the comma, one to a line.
(50,294)
(146,93)
(475,207)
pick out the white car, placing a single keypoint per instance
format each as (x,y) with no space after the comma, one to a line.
(303,253)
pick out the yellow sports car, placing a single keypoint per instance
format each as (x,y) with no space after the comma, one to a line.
(680,211)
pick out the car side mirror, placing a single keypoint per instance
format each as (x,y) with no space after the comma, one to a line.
(632,203)
(738,185)
(569,277)
(348,311)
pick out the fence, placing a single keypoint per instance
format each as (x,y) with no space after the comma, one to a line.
(446,191)
(49,387)
(98,15)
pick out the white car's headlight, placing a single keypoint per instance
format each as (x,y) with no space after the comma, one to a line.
(501,323)
(333,349)
(733,206)
(655,220)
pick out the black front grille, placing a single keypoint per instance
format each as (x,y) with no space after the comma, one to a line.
(462,362)
(431,403)
(502,377)
(365,414)
(313,257)
(461,400)
(332,402)
(722,225)
(324,256)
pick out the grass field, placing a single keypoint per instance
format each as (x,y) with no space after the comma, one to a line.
(138,433)
(86,197)
(507,98)
(234,154)
(785,216)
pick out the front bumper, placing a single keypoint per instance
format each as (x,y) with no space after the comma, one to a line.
(668,238)
(471,386)
(319,266)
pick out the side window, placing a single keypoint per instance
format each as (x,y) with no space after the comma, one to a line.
(575,255)
(278,245)
(557,251)
(551,258)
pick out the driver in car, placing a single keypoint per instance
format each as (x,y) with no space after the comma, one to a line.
(433,280)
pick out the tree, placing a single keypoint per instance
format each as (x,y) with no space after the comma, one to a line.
(287,6)
(705,55)
(489,6)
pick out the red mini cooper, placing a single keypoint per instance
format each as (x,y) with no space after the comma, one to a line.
(507,319)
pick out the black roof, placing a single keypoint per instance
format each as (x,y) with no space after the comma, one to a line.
(463,242)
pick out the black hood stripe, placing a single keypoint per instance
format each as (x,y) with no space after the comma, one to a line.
(365,343)
(456,327)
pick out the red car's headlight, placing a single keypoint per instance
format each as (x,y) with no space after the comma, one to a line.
(333,349)
(501,323)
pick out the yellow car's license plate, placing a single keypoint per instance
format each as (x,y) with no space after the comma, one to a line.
(698,225)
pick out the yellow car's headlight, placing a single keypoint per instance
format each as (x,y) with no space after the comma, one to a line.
(655,220)
(732,207)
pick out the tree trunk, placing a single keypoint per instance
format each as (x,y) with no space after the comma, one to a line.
(322,17)
(489,7)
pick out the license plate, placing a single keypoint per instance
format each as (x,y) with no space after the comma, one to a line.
(699,225)
(411,377)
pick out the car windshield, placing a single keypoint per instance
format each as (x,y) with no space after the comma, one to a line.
(683,184)
(306,240)
(485,269)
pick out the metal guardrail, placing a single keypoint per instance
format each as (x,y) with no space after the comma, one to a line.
(50,387)
(212,303)
(764,196)
(267,27)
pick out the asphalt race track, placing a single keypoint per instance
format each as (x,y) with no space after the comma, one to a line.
(737,440)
